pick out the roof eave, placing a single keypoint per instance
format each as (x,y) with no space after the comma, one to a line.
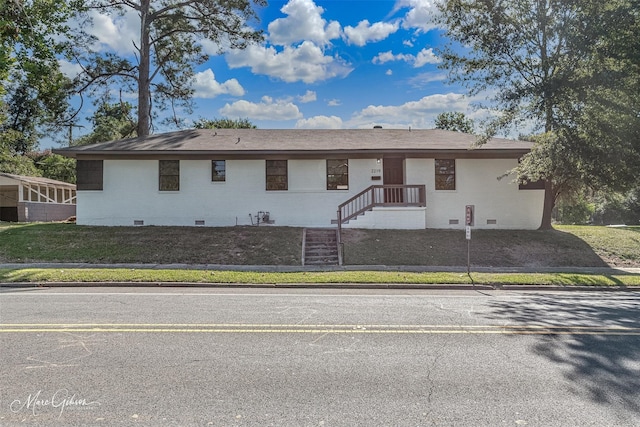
(458,153)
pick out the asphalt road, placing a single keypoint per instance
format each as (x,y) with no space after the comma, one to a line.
(225,357)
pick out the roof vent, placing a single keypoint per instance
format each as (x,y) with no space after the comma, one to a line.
(377,127)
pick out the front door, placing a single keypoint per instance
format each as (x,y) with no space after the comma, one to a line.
(393,174)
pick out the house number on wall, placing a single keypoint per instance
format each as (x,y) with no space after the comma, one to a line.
(375,170)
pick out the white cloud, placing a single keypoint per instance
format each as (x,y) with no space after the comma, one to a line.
(422,79)
(425,56)
(366,32)
(320,122)
(69,69)
(309,96)
(116,32)
(206,86)
(211,47)
(389,72)
(334,103)
(421,14)
(303,23)
(388,56)
(418,114)
(306,62)
(268,109)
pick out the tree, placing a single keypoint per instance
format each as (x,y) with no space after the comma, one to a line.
(110,122)
(224,124)
(455,121)
(54,166)
(550,160)
(168,49)
(556,63)
(34,91)
(12,163)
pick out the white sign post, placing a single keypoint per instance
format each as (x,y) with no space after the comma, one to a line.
(468,221)
(468,232)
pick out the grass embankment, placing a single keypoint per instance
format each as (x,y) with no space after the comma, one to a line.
(56,242)
(567,246)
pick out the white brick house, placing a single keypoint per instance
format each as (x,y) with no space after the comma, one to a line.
(383,178)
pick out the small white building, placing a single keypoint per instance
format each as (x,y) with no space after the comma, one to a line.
(31,199)
(374,178)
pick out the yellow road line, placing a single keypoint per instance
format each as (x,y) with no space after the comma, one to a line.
(298,325)
(318,329)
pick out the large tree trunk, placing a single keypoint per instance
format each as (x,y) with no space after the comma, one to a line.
(144,95)
(547,209)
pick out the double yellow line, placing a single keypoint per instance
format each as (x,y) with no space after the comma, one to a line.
(242,328)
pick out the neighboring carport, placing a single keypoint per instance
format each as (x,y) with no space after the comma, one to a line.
(31,199)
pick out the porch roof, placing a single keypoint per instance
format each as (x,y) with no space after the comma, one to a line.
(302,142)
(37,180)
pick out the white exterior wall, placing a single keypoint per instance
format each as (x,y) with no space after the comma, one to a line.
(130,193)
(477,184)
(409,218)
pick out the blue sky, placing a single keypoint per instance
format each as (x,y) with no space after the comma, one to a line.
(323,64)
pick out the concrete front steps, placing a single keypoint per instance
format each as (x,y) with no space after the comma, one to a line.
(320,246)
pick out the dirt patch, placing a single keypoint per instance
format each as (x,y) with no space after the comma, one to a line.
(351,235)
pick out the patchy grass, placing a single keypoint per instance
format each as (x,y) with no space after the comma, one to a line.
(106,276)
(497,248)
(566,246)
(189,245)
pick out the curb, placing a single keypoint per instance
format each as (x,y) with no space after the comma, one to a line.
(373,286)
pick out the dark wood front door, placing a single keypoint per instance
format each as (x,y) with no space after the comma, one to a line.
(393,174)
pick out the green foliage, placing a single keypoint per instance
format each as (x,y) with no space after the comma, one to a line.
(17,164)
(34,91)
(12,162)
(618,208)
(20,125)
(455,121)
(169,49)
(576,211)
(110,122)
(550,159)
(54,166)
(223,123)
(571,66)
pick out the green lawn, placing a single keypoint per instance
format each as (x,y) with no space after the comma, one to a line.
(30,275)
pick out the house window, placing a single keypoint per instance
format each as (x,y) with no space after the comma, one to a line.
(277,175)
(218,170)
(337,174)
(445,174)
(169,175)
(89,174)
(535,185)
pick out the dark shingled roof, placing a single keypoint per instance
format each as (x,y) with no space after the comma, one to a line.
(298,141)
